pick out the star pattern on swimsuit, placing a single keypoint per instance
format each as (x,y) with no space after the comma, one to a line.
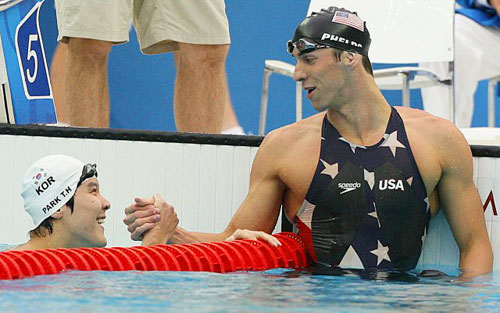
(424,236)
(369,178)
(375,215)
(427,205)
(330,169)
(382,253)
(391,142)
(352,145)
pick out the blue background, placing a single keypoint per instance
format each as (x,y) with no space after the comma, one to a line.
(40,86)
(25,111)
(142,86)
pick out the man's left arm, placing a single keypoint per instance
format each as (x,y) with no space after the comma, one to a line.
(462,205)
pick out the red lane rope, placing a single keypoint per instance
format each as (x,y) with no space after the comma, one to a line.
(221,257)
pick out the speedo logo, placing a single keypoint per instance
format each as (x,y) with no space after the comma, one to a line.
(340,39)
(348,186)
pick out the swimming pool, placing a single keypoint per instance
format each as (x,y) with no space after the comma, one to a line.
(279,290)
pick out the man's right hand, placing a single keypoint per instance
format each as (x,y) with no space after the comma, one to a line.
(141,216)
(254,235)
(164,229)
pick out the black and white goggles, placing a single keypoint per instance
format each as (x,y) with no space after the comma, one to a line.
(304,45)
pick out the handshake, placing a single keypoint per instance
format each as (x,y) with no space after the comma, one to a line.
(154,221)
(151,220)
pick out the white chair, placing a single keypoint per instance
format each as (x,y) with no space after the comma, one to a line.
(403,31)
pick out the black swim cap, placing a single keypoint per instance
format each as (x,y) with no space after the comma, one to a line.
(334,27)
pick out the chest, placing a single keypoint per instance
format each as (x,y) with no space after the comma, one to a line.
(306,163)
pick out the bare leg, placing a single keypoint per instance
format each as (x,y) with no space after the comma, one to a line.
(86,82)
(201,90)
(57,82)
(230,124)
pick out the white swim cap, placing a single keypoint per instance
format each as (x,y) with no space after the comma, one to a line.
(49,184)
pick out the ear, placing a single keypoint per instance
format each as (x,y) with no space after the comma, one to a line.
(350,56)
(59,214)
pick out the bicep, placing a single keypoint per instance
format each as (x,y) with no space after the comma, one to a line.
(460,199)
(260,209)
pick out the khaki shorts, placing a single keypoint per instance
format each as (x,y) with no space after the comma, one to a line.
(160,24)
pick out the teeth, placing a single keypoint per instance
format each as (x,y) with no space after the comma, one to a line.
(101,220)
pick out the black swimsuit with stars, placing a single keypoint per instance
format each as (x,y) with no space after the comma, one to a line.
(366,207)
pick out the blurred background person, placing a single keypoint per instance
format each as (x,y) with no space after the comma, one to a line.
(477,48)
(197,31)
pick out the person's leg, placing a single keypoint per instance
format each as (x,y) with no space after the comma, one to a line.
(86,82)
(89,29)
(201,89)
(199,33)
(57,82)
(231,125)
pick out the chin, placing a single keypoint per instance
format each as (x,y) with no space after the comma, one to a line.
(99,242)
(319,107)
(102,244)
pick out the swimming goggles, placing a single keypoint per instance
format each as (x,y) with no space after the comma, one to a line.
(304,46)
(89,171)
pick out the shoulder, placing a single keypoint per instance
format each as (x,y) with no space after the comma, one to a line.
(439,135)
(294,134)
(287,145)
(436,128)
(6,247)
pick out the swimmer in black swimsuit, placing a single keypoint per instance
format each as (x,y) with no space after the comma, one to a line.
(361,179)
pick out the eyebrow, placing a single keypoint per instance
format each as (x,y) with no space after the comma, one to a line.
(93,184)
(307,54)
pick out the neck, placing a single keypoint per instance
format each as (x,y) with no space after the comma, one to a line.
(363,116)
(59,238)
(41,243)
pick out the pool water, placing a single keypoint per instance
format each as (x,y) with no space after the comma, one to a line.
(279,290)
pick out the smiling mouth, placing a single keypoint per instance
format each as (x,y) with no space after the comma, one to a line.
(309,90)
(101,220)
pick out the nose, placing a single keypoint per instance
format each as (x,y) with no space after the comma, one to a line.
(106,205)
(299,75)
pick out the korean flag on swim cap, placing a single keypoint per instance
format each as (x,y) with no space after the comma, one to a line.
(48,185)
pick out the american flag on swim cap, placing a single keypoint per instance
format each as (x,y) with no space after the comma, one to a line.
(348,19)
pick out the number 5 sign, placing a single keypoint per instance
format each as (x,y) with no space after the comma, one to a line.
(31,56)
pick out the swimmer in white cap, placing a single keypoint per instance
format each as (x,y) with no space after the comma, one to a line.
(62,196)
